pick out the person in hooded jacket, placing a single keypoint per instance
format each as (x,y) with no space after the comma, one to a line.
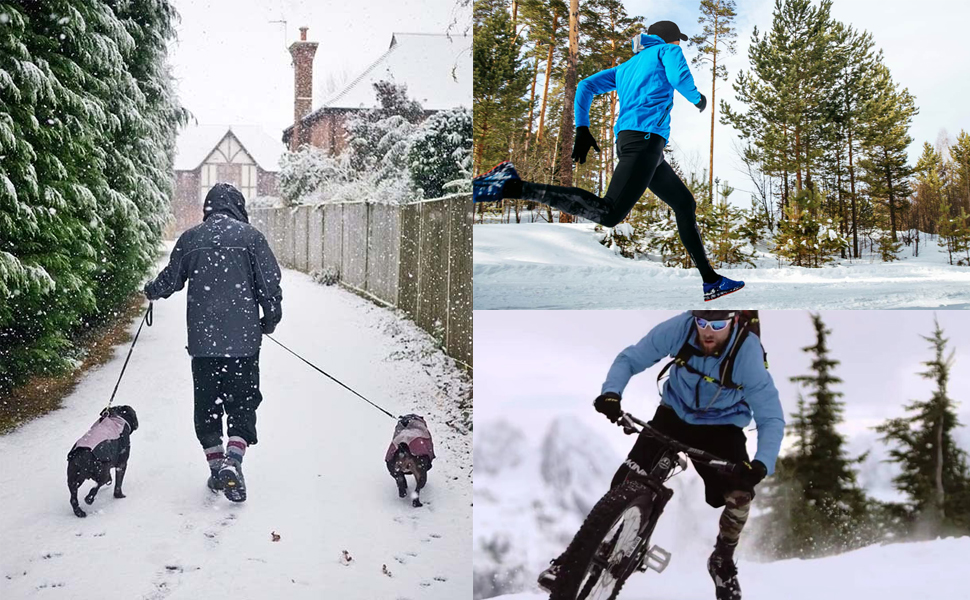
(232,274)
(698,410)
(645,87)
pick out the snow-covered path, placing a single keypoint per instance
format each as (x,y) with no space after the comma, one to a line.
(930,570)
(553,266)
(316,478)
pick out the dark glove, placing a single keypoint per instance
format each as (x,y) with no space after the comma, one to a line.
(750,474)
(584,141)
(265,326)
(609,405)
(147,291)
(702,104)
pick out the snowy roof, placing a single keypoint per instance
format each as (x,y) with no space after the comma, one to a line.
(196,142)
(436,68)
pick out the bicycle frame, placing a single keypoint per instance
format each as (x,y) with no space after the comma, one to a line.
(669,458)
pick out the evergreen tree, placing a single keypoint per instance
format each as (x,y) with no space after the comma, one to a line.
(88,120)
(886,139)
(816,504)
(501,81)
(934,476)
(803,238)
(717,36)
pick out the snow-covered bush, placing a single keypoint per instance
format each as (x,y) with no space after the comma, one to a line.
(326,276)
(441,153)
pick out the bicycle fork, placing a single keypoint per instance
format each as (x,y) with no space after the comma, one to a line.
(655,558)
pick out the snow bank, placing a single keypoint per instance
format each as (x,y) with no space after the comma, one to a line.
(563,266)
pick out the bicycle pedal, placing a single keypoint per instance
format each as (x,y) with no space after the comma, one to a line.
(656,559)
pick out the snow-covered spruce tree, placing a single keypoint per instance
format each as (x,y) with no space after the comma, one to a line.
(935,477)
(88,119)
(802,238)
(829,515)
(888,247)
(724,236)
(441,153)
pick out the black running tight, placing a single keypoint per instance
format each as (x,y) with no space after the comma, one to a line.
(641,166)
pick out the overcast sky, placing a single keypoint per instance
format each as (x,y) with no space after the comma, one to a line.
(922,41)
(532,366)
(232,64)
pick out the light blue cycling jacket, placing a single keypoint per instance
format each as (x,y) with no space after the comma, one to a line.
(701,402)
(644,86)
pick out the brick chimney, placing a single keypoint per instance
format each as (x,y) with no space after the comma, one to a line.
(302,53)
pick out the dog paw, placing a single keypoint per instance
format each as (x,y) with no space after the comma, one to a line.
(402,492)
(416,503)
(89,499)
(80,513)
(120,495)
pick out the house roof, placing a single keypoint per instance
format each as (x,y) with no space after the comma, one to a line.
(436,68)
(196,142)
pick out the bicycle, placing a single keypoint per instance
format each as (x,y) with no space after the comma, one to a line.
(613,541)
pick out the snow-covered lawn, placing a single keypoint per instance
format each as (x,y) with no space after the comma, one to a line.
(316,478)
(563,266)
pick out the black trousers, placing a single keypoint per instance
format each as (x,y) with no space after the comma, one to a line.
(641,166)
(723,441)
(226,386)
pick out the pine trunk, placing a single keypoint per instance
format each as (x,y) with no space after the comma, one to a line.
(532,103)
(713,85)
(855,211)
(566,125)
(545,91)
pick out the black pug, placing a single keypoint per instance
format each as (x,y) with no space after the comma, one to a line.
(104,447)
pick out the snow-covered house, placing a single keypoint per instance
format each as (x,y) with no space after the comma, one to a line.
(436,68)
(243,155)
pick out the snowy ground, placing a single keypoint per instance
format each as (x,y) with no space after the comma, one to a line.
(932,570)
(316,478)
(531,497)
(563,266)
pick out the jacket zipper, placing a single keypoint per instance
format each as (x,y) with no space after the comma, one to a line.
(666,112)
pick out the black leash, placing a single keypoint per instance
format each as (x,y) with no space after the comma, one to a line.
(334,379)
(146,319)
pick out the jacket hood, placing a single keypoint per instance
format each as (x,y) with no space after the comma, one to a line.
(225,199)
(644,41)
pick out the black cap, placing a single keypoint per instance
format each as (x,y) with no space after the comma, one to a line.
(667,31)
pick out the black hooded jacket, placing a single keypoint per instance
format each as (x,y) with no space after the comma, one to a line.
(231,272)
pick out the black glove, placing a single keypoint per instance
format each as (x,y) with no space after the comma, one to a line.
(265,327)
(750,474)
(702,104)
(584,141)
(147,292)
(609,405)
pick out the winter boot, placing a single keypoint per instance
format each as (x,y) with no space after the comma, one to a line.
(722,287)
(725,575)
(215,483)
(547,579)
(231,477)
(492,186)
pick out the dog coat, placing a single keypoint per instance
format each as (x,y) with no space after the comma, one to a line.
(103,439)
(412,431)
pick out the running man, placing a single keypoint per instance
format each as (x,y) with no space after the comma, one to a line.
(645,87)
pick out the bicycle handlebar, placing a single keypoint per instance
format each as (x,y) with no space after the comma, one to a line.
(629,424)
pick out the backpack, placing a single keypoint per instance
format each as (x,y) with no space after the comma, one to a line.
(748,322)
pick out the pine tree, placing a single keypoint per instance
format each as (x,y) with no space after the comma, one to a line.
(717,36)
(934,476)
(501,81)
(886,139)
(815,505)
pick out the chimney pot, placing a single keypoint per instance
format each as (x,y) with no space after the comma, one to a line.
(303,31)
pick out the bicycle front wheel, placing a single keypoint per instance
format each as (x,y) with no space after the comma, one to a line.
(607,548)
